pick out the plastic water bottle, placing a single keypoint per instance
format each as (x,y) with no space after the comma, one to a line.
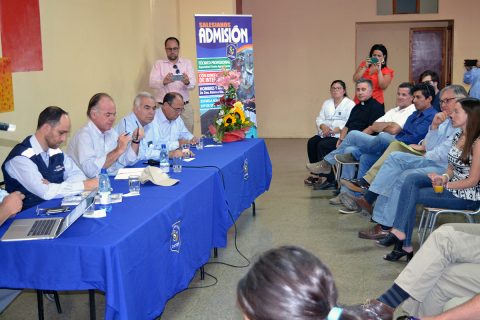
(104,191)
(164,164)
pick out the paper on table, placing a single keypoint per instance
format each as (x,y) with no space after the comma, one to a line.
(75,200)
(212,145)
(95,214)
(124,173)
(189,159)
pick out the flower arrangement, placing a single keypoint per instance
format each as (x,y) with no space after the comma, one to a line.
(231,123)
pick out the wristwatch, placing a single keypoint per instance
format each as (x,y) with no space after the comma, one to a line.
(136,141)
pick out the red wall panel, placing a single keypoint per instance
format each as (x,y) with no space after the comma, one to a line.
(21,35)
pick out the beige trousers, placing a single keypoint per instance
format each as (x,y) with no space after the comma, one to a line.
(393,146)
(446,266)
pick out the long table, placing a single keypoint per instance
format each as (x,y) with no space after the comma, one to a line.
(149,247)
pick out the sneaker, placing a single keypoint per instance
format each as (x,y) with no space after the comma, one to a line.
(348,201)
(319,167)
(348,211)
(346,158)
(335,201)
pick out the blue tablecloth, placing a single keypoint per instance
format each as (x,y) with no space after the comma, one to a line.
(247,172)
(132,254)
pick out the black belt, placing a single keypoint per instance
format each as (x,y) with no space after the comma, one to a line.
(185,103)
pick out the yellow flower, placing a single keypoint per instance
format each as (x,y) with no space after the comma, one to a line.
(229,119)
(238,110)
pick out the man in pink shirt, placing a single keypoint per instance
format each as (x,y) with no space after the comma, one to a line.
(174,74)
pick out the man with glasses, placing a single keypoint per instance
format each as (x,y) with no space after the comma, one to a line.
(174,74)
(386,184)
(142,116)
(97,145)
(171,126)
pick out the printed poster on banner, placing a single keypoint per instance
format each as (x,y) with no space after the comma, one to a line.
(224,41)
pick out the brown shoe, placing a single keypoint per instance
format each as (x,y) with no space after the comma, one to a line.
(378,308)
(362,203)
(375,233)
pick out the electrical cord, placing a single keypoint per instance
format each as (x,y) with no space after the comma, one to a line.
(233,220)
(207,286)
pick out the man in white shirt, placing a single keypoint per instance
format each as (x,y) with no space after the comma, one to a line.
(172,128)
(142,116)
(39,169)
(174,74)
(97,145)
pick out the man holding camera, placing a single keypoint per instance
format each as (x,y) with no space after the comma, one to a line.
(174,74)
(472,77)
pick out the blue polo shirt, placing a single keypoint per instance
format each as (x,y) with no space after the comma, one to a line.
(416,126)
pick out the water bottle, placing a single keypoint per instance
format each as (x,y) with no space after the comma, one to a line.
(164,164)
(104,191)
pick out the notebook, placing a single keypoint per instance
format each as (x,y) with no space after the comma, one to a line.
(47,228)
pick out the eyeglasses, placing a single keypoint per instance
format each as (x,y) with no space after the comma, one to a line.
(446,100)
(177,110)
(177,71)
(172,49)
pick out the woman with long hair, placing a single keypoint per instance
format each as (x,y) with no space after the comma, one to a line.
(457,188)
(375,69)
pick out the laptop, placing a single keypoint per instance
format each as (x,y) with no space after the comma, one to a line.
(47,228)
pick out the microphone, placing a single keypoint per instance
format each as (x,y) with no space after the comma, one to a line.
(7,126)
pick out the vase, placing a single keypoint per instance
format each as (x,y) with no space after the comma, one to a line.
(235,135)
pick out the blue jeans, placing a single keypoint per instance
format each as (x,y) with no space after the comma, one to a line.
(417,189)
(395,165)
(375,146)
(352,141)
(388,202)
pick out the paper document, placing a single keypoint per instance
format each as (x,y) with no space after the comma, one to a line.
(124,173)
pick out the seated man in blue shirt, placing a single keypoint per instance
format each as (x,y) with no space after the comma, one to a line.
(97,145)
(414,130)
(39,169)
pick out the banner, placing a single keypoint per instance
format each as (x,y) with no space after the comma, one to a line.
(224,41)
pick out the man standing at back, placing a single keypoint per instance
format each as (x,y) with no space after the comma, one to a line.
(97,146)
(175,74)
(39,169)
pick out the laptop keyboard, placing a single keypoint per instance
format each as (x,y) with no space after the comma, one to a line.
(42,227)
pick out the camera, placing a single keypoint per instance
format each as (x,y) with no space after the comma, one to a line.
(373,60)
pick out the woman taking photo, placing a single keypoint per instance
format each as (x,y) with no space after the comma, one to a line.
(375,69)
(458,188)
(330,121)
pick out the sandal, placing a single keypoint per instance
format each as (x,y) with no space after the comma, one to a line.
(310,181)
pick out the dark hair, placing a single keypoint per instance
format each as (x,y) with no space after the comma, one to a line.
(363,80)
(426,89)
(50,115)
(342,83)
(289,283)
(169,97)
(171,38)
(407,85)
(94,101)
(432,74)
(382,48)
(472,107)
